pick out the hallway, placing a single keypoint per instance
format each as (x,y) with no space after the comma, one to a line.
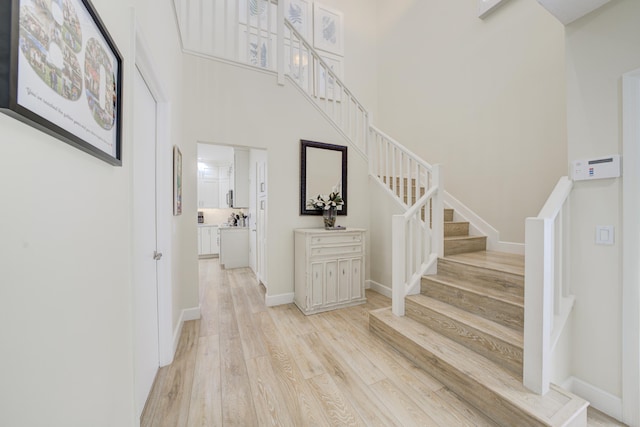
(243,364)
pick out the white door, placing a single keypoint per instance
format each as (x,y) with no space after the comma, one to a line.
(145,242)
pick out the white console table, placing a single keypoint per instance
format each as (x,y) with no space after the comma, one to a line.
(329,268)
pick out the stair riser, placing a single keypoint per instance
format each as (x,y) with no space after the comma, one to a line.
(456,229)
(512,284)
(467,388)
(475,244)
(491,347)
(502,312)
(448,214)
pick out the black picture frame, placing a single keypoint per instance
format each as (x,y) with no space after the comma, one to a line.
(61,72)
(306,156)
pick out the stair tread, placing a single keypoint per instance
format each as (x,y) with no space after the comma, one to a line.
(502,261)
(483,291)
(468,237)
(554,408)
(509,335)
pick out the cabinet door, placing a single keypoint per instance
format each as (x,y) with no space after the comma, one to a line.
(315,296)
(206,240)
(215,241)
(208,194)
(344,282)
(331,282)
(199,240)
(357,286)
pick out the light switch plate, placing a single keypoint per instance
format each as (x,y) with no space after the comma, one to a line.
(604,235)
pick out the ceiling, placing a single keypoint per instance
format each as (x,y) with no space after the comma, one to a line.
(567,11)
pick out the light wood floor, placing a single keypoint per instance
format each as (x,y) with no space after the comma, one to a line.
(243,364)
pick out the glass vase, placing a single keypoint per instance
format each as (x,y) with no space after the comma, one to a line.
(329,216)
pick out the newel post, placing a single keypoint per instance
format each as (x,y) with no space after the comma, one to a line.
(538,307)
(437,218)
(398,270)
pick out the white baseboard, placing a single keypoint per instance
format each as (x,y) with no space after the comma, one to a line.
(509,247)
(599,399)
(379,288)
(190,314)
(478,226)
(186,315)
(273,300)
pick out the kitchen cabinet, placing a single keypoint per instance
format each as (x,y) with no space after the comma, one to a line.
(213,185)
(329,269)
(208,240)
(234,247)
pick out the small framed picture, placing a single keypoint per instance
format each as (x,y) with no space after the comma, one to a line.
(262,14)
(328,29)
(177,181)
(258,48)
(298,13)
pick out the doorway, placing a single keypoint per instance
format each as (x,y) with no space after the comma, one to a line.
(151,224)
(145,254)
(240,171)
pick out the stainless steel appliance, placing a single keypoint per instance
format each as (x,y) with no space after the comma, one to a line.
(230,198)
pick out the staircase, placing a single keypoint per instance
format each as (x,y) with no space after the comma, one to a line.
(465,328)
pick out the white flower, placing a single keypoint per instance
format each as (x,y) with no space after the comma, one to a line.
(323,201)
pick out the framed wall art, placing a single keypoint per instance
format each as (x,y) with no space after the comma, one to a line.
(177,181)
(61,72)
(298,12)
(262,14)
(328,29)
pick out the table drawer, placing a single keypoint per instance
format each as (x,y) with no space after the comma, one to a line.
(336,250)
(334,239)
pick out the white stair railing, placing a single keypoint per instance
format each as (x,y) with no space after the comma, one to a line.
(418,234)
(255,33)
(319,81)
(548,299)
(242,31)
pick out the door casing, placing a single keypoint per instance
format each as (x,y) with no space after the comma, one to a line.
(631,249)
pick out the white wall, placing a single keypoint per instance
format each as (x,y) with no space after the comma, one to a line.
(484,98)
(233,105)
(600,48)
(65,298)
(66,292)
